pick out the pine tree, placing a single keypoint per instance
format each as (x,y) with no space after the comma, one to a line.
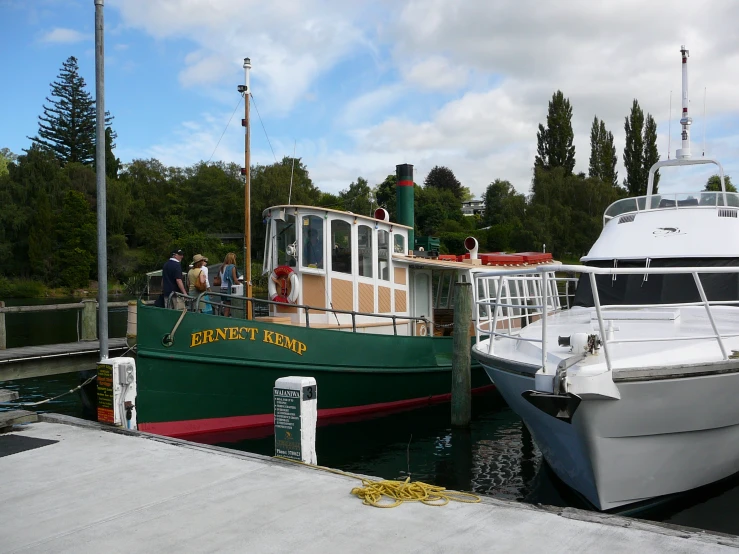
(640,153)
(67,127)
(554,142)
(602,154)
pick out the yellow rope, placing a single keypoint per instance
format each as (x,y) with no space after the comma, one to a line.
(397,492)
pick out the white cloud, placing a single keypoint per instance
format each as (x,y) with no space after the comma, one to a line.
(489,67)
(64,36)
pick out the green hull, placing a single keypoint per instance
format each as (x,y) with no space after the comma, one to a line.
(217,376)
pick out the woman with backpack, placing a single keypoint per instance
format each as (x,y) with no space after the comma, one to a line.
(227,278)
(197,279)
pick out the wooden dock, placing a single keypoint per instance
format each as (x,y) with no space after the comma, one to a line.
(50,359)
(71,486)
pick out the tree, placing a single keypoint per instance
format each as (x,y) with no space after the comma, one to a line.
(443,178)
(554,142)
(651,154)
(112,164)
(714,184)
(67,127)
(358,197)
(6,157)
(640,152)
(385,194)
(602,154)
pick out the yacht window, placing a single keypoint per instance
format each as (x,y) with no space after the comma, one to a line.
(341,246)
(285,240)
(383,255)
(312,242)
(364,250)
(399,244)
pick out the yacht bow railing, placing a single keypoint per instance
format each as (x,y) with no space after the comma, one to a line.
(673,201)
(508,300)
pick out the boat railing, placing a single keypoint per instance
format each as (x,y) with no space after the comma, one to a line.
(672,201)
(192,301)
(502,311)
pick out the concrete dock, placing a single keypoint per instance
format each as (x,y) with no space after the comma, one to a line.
(72,486)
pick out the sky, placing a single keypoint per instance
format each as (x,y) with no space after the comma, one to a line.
(355,88)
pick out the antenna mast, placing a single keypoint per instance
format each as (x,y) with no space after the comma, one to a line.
(245,171)
(704,121)
(685,120)
(669,129)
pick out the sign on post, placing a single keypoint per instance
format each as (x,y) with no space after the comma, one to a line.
(296,412)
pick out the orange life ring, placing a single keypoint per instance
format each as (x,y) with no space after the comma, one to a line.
(283,285)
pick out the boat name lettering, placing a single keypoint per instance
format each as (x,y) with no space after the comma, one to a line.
(225,333)
(278,339)
(207,336)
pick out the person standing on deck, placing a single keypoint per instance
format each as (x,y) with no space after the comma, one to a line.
(172,281)
(227,278)
(197,278)
(313,250)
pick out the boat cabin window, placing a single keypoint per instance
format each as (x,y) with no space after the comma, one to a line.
(383,255)
(364,250)
(399,244)
(312,242)
(659,288)
(285,240)
(341,246)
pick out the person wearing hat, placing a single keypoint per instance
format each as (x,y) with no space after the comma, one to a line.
(172,281)
(197,277)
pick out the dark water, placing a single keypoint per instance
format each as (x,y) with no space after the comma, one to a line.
(495,457)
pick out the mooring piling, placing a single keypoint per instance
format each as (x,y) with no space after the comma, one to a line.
(461,377)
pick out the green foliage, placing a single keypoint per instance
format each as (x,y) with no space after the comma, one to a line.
(714,184)
(554,142)
(432,207)
(21,288)
(6,158)
(386,196)
(76,239)
(640,152)
(443,178)
(602,154)
(358,198)
(67,127)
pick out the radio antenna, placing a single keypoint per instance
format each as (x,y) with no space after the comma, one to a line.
(290,193)
(704,122)
(669,128)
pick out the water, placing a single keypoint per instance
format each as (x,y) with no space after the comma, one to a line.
(495,457)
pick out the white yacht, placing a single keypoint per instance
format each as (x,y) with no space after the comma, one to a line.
(629,386)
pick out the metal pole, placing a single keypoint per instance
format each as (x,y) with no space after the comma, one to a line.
(247,192)
(100,175)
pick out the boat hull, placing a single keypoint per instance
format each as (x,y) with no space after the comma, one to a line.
(646,445)
(214,382)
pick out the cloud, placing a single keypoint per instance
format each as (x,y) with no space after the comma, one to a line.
(64,36)
(461,84)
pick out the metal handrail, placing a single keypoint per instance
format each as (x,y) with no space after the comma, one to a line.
(546,273)
(195,300)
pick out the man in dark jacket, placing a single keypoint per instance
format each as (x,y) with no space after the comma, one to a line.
(172,281)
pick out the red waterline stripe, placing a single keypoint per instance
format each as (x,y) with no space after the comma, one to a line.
(192,427)
(405,183)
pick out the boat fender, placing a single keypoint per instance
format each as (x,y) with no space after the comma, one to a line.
(283,285)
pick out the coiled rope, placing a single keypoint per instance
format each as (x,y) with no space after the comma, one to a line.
(389,494)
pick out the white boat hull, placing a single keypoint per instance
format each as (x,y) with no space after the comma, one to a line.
(663,436)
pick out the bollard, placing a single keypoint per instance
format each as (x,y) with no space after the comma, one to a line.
(116,392)
(3,333)
(296,412)
(89,319)
(131,322)
(461,378)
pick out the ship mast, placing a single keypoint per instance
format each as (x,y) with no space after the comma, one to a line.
(685,120)
(245,171)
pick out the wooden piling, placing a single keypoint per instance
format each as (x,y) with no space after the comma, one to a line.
(89,319)
(3,332)
(461,378)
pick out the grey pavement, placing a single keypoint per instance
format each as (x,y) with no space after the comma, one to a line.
(96,490)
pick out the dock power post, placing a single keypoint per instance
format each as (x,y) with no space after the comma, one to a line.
(296,413)
(116,392)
